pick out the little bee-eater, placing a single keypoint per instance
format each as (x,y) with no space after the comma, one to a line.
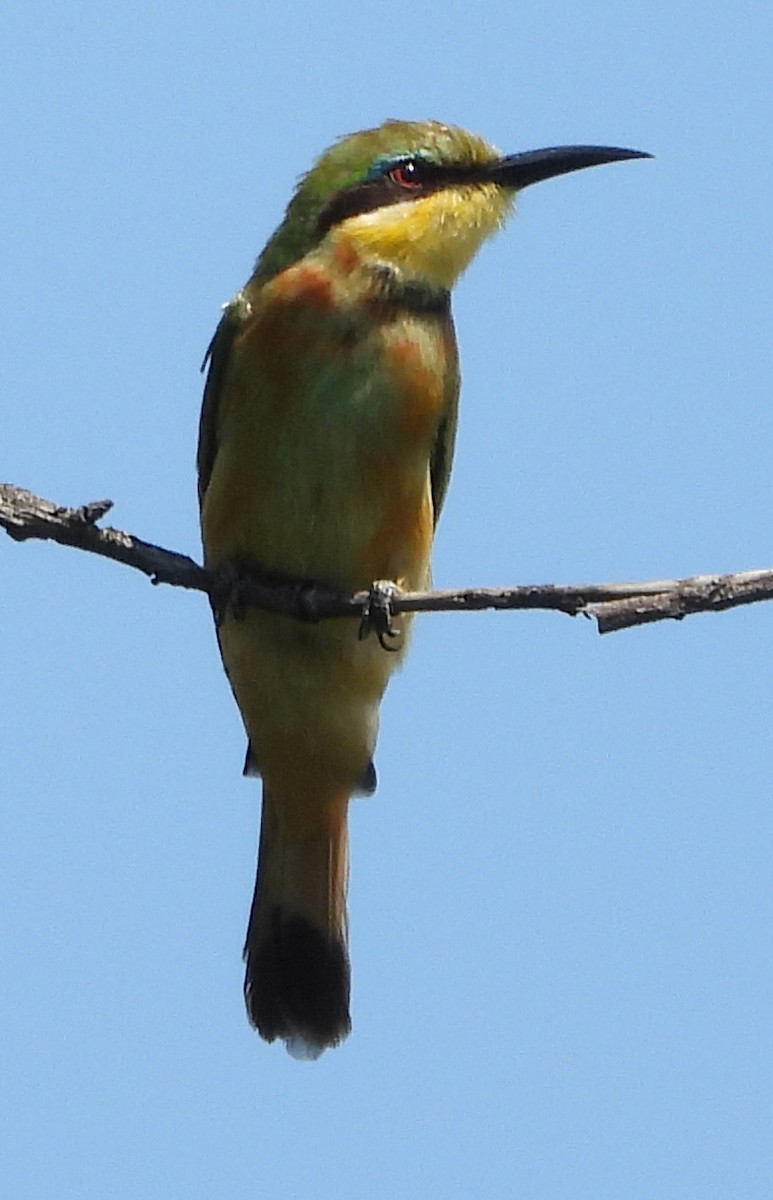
(326,440)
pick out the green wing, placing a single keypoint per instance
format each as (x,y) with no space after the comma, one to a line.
(443,450)
(216,359)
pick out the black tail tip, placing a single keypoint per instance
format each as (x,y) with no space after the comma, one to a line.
(296,986)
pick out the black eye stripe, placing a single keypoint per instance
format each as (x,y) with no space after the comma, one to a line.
(384,189)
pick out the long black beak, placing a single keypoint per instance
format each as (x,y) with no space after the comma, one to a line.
(519,170)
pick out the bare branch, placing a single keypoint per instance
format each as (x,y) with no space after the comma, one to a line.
(24,515)
(612,605)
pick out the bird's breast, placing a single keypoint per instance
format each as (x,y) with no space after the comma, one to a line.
(327,423)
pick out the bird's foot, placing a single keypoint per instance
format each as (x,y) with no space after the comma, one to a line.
(378,614)
(228,599)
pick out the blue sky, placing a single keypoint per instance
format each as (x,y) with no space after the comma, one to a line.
(561,904)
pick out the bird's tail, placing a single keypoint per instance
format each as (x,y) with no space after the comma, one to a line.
(296,985)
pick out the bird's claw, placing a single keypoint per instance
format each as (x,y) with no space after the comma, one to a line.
(378,614)
(228,600)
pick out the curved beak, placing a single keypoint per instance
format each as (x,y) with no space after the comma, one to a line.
(519,170)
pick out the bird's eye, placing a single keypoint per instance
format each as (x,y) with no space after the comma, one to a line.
(406,174)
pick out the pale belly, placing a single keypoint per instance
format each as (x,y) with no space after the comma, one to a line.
(309,693)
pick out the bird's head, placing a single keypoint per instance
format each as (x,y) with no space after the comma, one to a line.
(418,196)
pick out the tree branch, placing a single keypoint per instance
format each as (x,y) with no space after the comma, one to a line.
(612,605)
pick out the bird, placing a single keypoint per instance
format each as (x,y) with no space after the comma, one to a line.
(325,449)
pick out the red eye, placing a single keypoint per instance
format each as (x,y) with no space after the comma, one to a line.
(406,174)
